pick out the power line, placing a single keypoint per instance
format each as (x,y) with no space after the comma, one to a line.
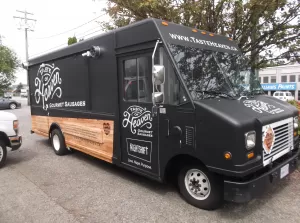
(48,50)
(58,34)
(26,28)
(80,34)
(90,33)
(64,43)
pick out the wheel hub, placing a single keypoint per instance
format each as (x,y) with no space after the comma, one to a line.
(194,184)
(56,143)
(197,184)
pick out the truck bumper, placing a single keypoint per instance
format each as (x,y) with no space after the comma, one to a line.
(15,142)
(244,191)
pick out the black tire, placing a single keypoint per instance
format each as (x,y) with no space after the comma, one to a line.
(58,142)
(12,106)
(3,153)
(210,201)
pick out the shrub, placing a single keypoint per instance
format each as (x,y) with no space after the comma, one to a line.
(297,105)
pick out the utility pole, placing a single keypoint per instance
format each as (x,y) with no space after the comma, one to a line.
(26,28)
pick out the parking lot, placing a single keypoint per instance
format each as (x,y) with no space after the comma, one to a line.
(38,186)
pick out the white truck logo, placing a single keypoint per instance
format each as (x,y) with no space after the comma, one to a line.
(137,117)
(260,107)
(48,84)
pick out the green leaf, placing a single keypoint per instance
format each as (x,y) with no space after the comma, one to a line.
(256,25)
(9,63)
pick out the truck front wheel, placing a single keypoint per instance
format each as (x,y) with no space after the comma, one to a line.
(58,142)
(3,152)
(201,188)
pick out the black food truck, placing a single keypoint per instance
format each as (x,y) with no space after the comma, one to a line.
(165,100)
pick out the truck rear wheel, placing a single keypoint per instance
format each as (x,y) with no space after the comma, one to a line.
(3,153)
(201,188)
(58,142)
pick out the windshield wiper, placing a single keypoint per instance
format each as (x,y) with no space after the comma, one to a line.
(257,92)
(217,93)
(252,93)
(246,94)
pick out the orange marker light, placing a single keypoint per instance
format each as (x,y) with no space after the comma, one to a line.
(295,133)
(194,30)
(250,155)
(16,124)
(211,34)
(227,155)
(165,23)
(203,32)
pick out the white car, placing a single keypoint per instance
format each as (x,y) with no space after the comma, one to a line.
(284,95)
(23,93)
(9,134)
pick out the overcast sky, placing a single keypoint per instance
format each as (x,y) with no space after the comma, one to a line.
(53,17)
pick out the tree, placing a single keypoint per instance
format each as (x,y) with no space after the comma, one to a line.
(19,87)
(260,27)
(9,63)
(72,40)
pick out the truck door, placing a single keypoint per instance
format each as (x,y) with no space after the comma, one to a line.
(176,115)
(139,129)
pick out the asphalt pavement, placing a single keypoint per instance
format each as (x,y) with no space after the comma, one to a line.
(38,186)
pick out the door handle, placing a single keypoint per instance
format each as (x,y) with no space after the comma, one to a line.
(176,131)
(154,111)
(168,126)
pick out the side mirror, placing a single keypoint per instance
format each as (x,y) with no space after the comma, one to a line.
(158,74)
(158,97)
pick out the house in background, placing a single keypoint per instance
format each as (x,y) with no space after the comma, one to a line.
(281,78)
(15,87)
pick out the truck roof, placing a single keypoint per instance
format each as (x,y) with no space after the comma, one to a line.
(148,30)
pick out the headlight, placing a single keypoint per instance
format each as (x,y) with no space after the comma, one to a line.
(250,138)
(296,122)
(296,119)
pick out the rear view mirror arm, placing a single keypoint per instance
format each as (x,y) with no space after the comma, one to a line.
(154,108)
(153,56)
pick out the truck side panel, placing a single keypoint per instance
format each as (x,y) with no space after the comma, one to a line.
(91,136)
(78,94)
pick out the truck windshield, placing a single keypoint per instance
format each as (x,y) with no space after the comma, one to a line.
(210,73)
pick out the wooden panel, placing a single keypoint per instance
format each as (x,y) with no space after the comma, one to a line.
(40,124)
(91,136)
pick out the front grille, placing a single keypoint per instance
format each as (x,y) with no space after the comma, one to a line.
(283,140)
